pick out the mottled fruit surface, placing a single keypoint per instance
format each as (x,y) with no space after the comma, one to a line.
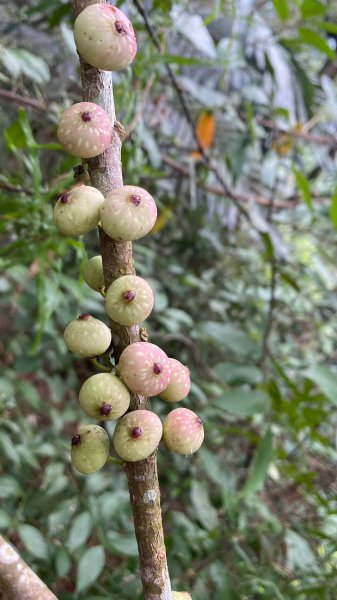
(89,449)
(105,38)
(181,596)
(183,431)
(93,273)
(137,435)
(128,213)
(129,300)
(84,130)
(145,368)
(87,337)
(104,397)
(78,211)
(180,382)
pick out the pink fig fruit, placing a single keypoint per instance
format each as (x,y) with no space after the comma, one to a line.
(183,431)
(105,38)
(89,449)
(84,130)
(87,336)
(129,300)
(128,213)
(144,368)
(137,435)
(93,273)
(104,397)
(78,211)
(179,384)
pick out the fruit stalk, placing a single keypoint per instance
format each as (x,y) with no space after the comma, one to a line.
(105,173)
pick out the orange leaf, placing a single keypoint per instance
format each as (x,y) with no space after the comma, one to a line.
(205,130)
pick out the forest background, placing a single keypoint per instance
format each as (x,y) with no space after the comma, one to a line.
(243,263)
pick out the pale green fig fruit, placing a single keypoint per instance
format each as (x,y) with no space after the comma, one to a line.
(104,397)
(89,449)
(137,435)
(87,336)
(104,37)
(129,300)
(78,211)
(128,213)
(183,431)
(181,596)
(93,273)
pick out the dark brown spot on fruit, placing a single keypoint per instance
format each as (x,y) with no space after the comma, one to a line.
(199,421)
(84,316)
(136,432)
(75,440)
(86,116)
(119,27)
(129,295)
(64,197)
(135,199)
(157,368)
(105,409)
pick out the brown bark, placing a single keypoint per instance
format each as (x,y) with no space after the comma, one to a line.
(17,580)
(105,173)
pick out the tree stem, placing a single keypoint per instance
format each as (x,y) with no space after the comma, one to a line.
(105,173)
(17,580)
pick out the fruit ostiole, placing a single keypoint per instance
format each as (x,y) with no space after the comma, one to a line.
(106,175)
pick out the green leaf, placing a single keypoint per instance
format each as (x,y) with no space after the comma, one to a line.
(62,563)
(310,37)
(122,544)
(261,462)
(303,184)
(5,519)
(34,541)
(80,531)
(229,336)
(9,487)
(203,509)
(90,567)
(238,374)
(243,403)
(333,208)
(312,8)
(282,8)
(299,553)
(325,379)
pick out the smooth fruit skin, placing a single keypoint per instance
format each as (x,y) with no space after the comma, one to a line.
(181,596)
(87,337)
(180,382)
(83,136)
(128,213)
(144,368)
(101,391)
(78,211)
(183,431)
(129,300)
(90,452)
(137,435)
(105,38)
(93,273)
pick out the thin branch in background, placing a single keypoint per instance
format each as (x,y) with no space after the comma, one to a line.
(141,107)
(23,100)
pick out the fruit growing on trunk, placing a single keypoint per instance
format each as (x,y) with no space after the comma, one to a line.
(144,368)
(129,300)
(183,431)
(181,596)
(93,273)
(89,449)
(179,384)
(128,213)
(137,435)
(87,336)
(105,38)
(104,397)
(84,129)
(78,211)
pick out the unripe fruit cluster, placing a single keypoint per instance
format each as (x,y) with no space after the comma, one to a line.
(105,39)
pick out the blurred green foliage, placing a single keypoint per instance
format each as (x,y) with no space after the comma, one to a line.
(249,304)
